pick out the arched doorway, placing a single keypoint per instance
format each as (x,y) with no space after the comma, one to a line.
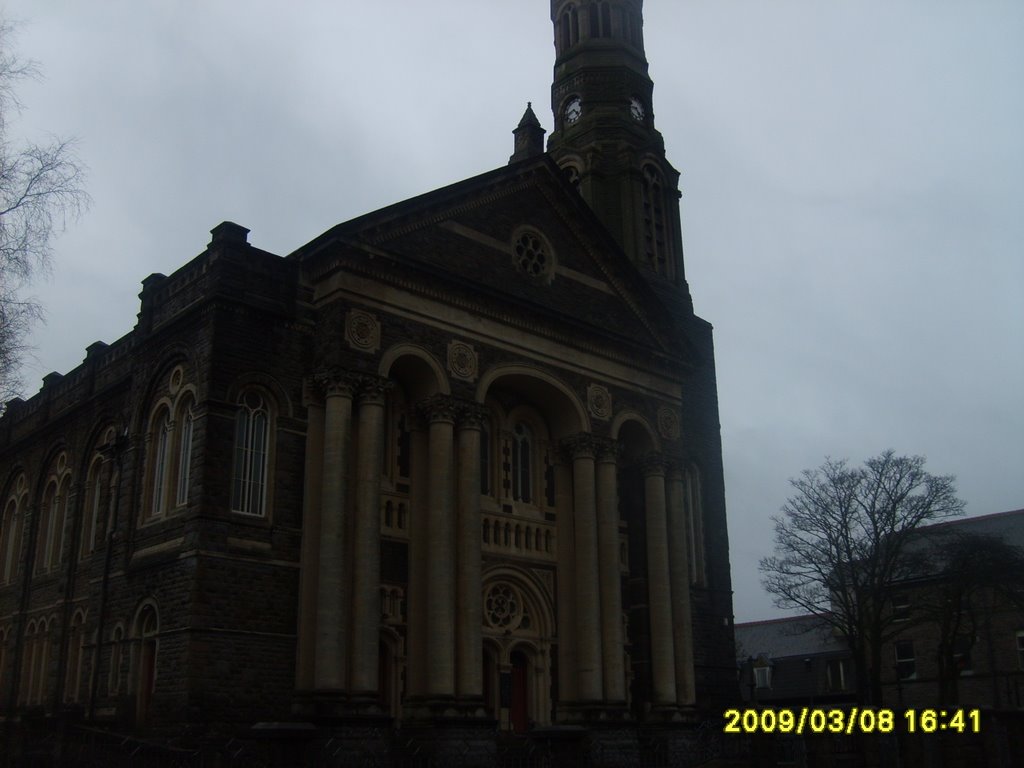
(519,712)
(147,626)
(517,632)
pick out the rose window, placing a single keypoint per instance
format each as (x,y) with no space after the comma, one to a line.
(530,255)
(503,608)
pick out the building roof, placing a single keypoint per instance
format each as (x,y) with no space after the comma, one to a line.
(1009,526)
(782,638)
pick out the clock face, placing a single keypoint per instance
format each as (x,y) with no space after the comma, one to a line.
(573,110)
(636,109)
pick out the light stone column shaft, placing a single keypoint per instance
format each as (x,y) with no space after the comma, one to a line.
(331,613)
(366,540)
(588,605)
(611,579)
(469,657)
(440,658)
(659,596)
(679,561)
(417,670)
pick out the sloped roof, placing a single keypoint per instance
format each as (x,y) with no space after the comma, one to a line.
(457,241)
(1009,526)
(782,638)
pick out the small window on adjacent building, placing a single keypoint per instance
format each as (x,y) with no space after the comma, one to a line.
(836,671)
(906,664)
(763,676)
(901,608)
(962,655)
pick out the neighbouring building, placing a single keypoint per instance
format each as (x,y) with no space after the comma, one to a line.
(957,637)
(455,460)
(794,661)
(960,630)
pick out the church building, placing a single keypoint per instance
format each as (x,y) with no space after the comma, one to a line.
(458,459)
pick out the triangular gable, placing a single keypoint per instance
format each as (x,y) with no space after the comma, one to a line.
(468,238)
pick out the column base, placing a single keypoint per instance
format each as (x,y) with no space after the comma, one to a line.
(593,713)
(462,740)
(335,706)
(664,713)
(429,709)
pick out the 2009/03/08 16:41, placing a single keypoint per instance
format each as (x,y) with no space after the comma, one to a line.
(849,721)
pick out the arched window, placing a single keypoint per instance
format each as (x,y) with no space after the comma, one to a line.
(147,627)
(249,485)
(657,238)
(52,516)
(522,458)
(160,453)
(10,531)
(28,664)
(117,654)
(76,641)
(570,28)
(183,463)
(98,495)
(36,672)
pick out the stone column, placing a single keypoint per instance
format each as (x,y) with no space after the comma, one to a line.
(659,595)
(469,650)
(441,558)
(610,574)
(679,560)
(588,605)
(366,537)
(310,559)
(331,613)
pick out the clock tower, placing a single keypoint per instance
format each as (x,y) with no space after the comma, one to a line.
(604,137)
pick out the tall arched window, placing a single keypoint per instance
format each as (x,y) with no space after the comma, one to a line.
(76,641)
(93,506)
(160,451)
(28,664)
(117,655)
(10,531)
(147,627)
(249,484)
(52,517)
(657,238)
(183,463)
(522,458)
(570,28)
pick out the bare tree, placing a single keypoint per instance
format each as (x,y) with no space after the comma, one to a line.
(41,187)
(841,543)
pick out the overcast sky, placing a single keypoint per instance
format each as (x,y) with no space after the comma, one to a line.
(852,178)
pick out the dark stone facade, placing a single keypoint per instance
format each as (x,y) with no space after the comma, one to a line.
(187,461)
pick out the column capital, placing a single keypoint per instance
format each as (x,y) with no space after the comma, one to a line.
(438,408)
(580,446)
(334,382)
(675,467)
(371,389)
(652,464)
(471,414)
(608,451)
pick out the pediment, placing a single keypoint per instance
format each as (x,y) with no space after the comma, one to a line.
(517,243)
